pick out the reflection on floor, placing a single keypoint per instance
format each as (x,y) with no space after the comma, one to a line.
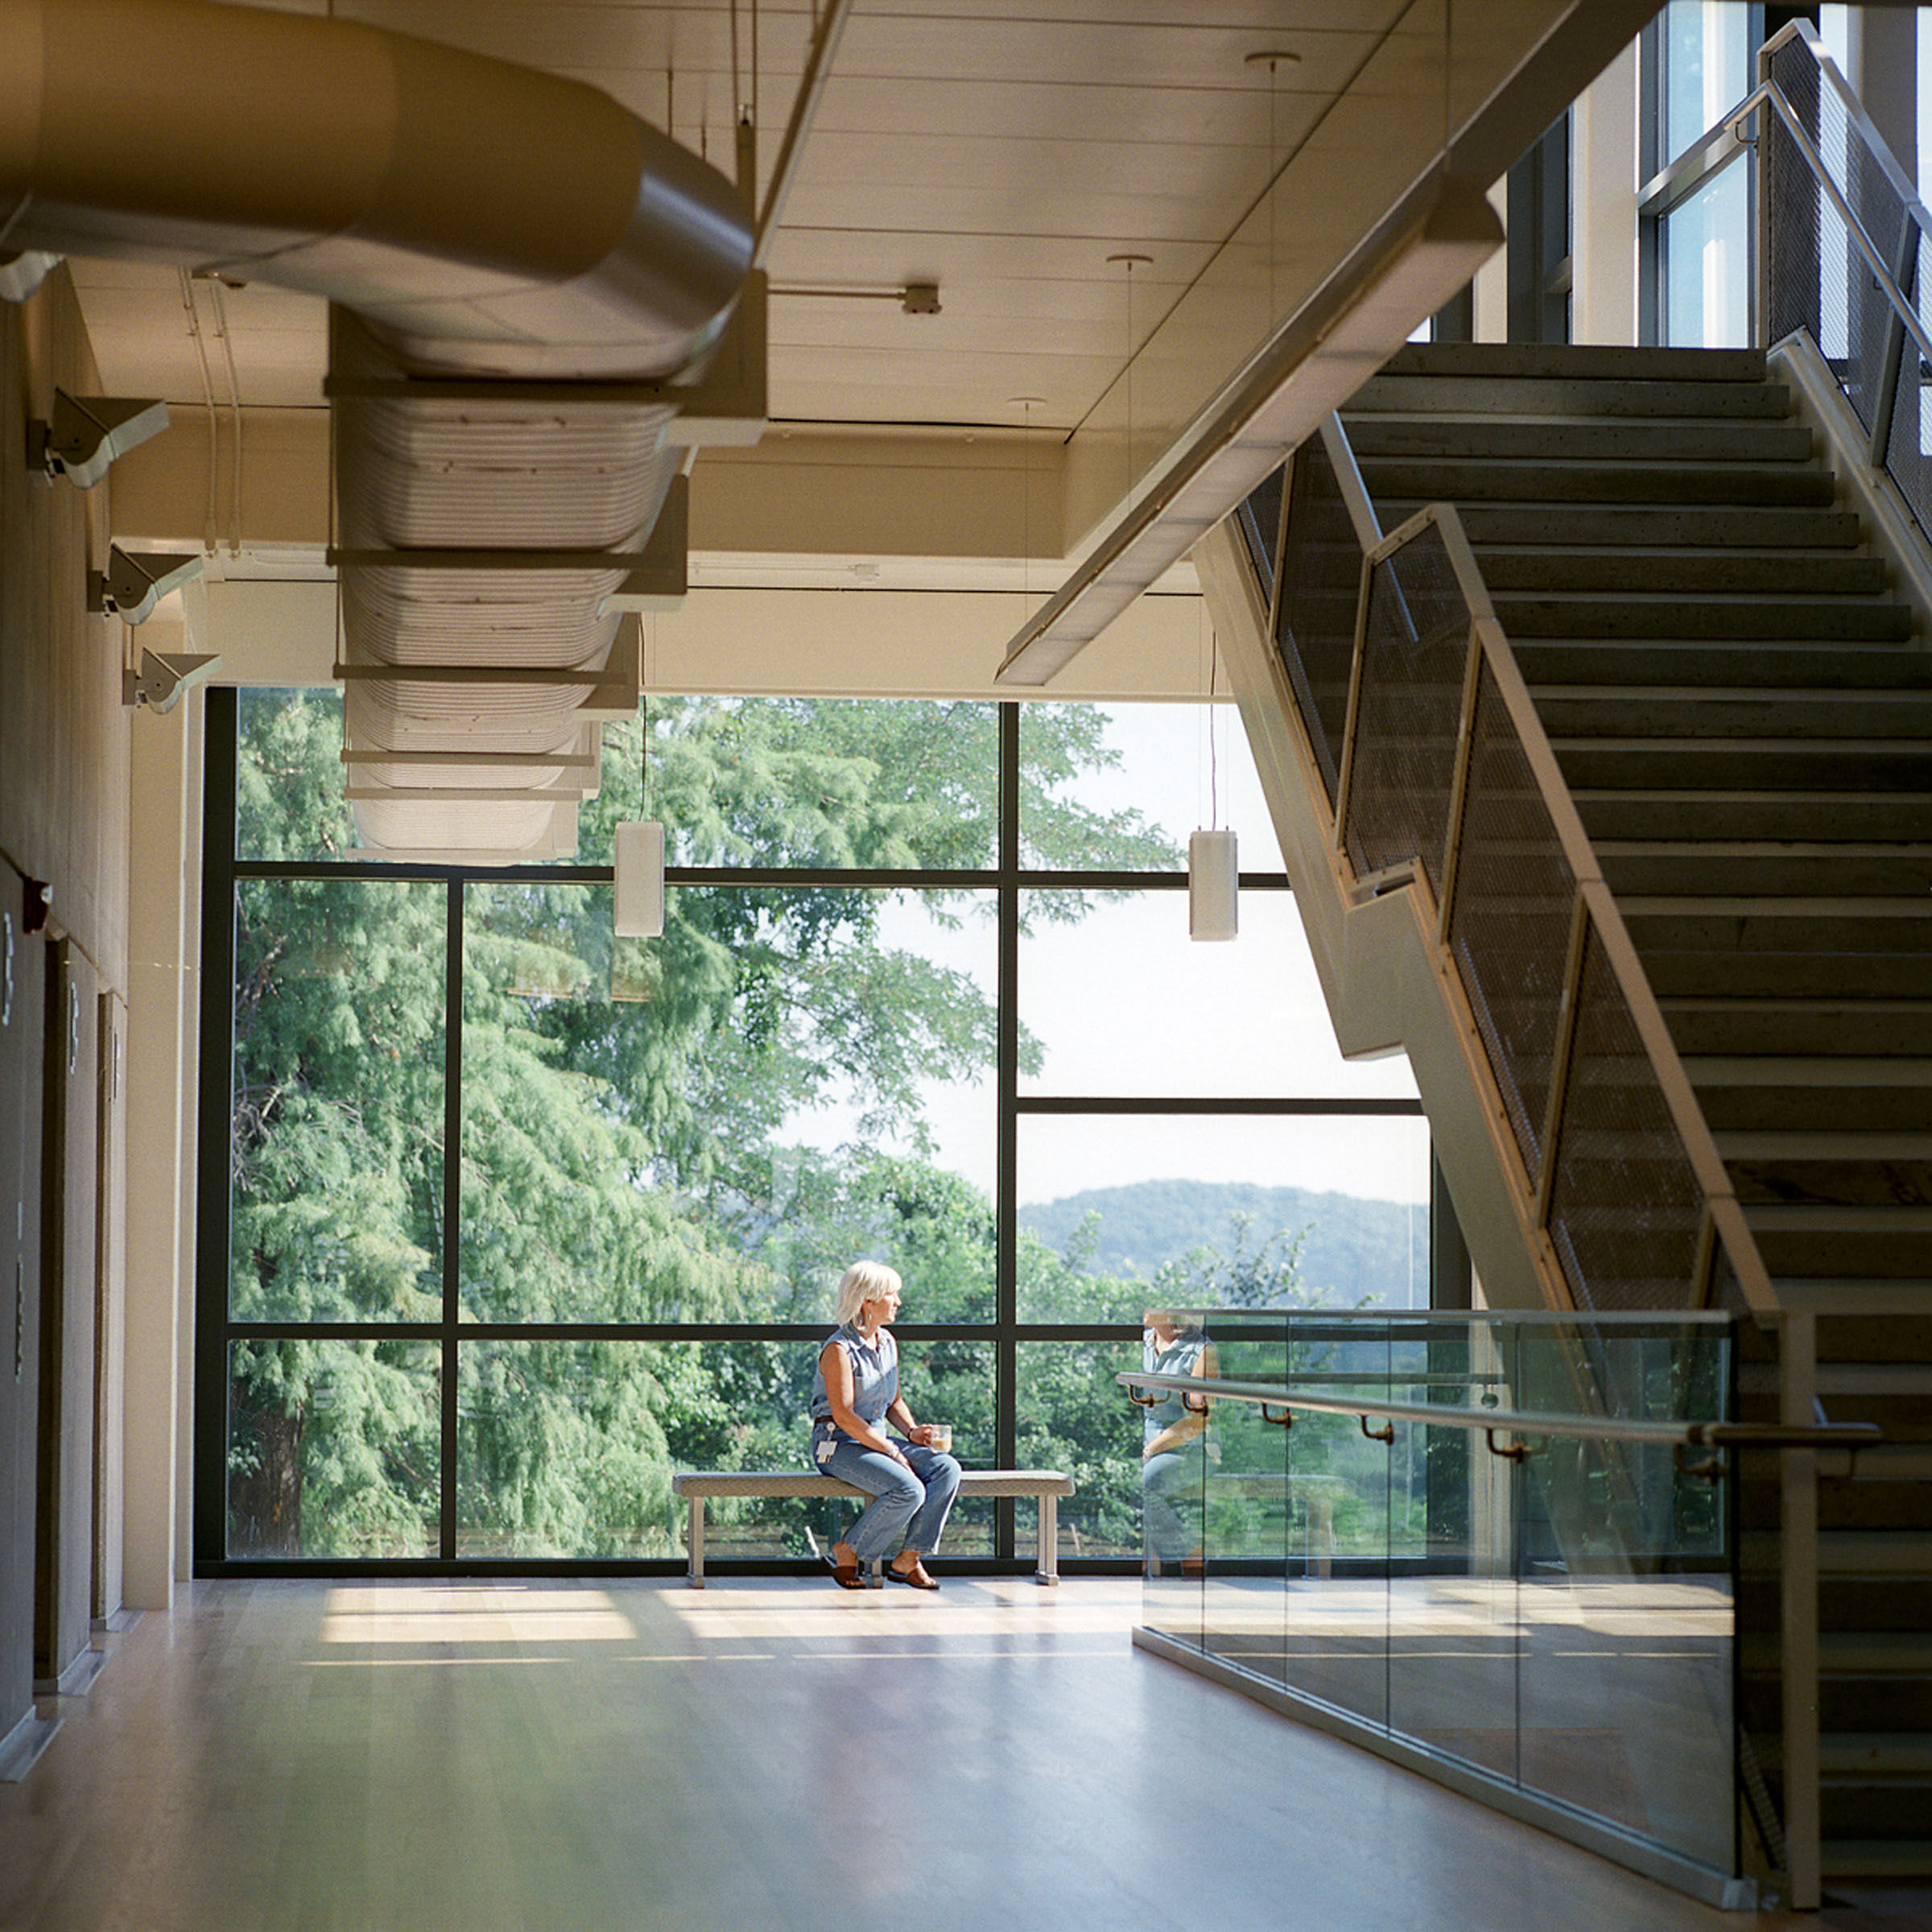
(626,1756)
(1610,1694)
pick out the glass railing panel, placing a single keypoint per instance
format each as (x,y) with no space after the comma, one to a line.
(1626,1609)
(1337,1565)
(1559,1620)
(1174,1476)
(1249,1507)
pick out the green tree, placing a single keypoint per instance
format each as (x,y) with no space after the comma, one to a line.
(622,1157)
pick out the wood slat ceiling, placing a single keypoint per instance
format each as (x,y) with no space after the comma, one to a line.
(1002,148)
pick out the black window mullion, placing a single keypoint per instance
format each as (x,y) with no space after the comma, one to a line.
(1007,1079)
(452,1212)
(215,1125)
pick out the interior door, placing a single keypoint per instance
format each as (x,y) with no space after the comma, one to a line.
(21,1000)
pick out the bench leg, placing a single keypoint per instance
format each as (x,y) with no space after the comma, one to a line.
(1046,1567)
(694,1540)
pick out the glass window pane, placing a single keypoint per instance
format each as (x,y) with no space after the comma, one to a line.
(290,779)
(1244,1020)
(337,1123)
(1706,48)
(1266,1211)
(1705,259)
(804,782)
(1074,1416)
(1120,788)
(333,1449)
(566,1449)
(712,1125)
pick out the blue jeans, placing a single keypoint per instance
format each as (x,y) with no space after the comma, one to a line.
(1170,1501)
(908,1509)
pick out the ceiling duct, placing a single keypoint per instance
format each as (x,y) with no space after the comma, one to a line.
(537,278)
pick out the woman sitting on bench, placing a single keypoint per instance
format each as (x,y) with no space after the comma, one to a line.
(855,1393)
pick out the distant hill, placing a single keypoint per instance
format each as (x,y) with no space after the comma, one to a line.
(1356,1250)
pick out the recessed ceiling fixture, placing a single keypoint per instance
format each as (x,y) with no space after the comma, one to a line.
(1272,57)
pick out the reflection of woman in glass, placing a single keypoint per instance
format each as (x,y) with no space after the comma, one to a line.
(1174,1463)
(854,1394)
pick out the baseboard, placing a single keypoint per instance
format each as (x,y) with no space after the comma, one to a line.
(119,1624)
(77,1679)
(20,1749)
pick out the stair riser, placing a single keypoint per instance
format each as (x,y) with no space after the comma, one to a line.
(1488,362)
(1588,525)
(1519,396)
(1843,1603)
(1868,1808)
(1472,439)
(1732,876)
(1846,1505)
(1876,976)
(1844,1029)
(1854,820)
(1645,712)
(1690,665)
(1791,768)
(1662,617)
(1868,1184)
(1743,486)
(1877,1703)
(1649,572)
(1797,1110)
(1861,928)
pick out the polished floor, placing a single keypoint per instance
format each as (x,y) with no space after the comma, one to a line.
(522,1757)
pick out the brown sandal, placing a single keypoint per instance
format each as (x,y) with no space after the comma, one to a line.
(916,1578)
(845,1576)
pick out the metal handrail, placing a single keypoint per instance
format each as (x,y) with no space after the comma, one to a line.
(1767,93)
(1711,1435)
(1355,499)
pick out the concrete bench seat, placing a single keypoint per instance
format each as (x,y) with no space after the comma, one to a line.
(1047,1485)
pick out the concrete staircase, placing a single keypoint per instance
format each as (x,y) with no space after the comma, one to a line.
(1745,717)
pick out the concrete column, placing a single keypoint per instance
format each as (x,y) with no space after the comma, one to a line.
(159,1017)
(1603,185)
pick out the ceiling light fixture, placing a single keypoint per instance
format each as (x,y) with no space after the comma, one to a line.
(637,855)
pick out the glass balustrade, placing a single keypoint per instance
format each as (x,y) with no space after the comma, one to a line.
(1558,1622)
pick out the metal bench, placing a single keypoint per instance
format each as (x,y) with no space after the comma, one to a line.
(1047,1485)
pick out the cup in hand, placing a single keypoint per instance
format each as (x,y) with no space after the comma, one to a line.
(941,1438)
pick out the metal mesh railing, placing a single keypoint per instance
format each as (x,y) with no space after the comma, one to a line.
(1315,619)
(1443,767)
(1626,1211)
(1842,236)
(1510,918)
(1415,655)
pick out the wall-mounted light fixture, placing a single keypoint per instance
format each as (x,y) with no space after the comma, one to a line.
(136,580)
(87,433)
(165,678)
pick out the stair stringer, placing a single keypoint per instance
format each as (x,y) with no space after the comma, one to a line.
(1388,986)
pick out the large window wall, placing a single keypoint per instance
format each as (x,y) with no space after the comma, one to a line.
(505,1219)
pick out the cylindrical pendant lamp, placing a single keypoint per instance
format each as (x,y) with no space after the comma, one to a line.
(639,880)
(1213,885)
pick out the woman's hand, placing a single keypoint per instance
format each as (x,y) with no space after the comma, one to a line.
(920,1434)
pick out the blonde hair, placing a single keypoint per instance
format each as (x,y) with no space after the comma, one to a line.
(862,1282)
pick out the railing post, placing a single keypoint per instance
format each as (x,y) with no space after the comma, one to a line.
(1797,1619)
(1562,1051)
(1458,784)
(1905,270)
